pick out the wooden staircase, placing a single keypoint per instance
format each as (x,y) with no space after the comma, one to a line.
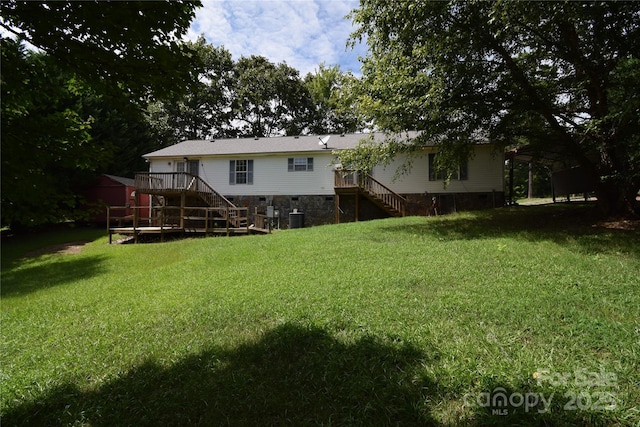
(362,183)
(172,184)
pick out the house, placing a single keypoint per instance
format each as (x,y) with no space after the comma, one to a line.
(110,190)
(298,175)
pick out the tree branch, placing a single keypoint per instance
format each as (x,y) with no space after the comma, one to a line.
(540,105)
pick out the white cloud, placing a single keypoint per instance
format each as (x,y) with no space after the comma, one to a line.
(302,33)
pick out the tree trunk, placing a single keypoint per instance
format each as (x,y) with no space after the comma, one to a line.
(617,199)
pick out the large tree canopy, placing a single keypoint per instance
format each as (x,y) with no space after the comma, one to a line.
(332,92)
(270,99)
(71,107)
(255,97)
(133,46)
(557,75)
(46,142)
(206,111)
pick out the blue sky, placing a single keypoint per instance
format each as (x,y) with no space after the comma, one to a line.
(302,33)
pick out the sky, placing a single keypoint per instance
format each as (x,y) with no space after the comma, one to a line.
(302,33)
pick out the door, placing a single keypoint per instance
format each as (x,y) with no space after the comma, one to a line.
(190,167)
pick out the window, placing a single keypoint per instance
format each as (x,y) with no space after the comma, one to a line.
(461,174)
(241,172)
(300,164)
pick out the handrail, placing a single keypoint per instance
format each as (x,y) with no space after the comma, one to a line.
(136,218)
(148,182)
(154,182)
(234,217)
(169,216)
(373,187)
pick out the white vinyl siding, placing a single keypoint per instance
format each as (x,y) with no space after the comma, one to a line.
(461,174)
(485,172)
(270,175)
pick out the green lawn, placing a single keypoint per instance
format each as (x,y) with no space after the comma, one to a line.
(414,321)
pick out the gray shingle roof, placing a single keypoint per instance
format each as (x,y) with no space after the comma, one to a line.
(122,180)
(281,144)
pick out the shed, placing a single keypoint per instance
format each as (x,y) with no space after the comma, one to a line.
(110,190)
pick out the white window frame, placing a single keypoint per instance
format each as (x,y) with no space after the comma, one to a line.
(300,164)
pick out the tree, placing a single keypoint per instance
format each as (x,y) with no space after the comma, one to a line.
(270,99)
(557,75)
(95,61)
(131,46)
(332,92)
(46,142)
(123,127)
(206,111)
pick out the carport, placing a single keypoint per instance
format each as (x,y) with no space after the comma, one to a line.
(567,177)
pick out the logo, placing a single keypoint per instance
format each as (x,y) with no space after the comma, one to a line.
(596,392)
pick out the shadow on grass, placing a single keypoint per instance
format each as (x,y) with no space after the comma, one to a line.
(294,375)
(16,246)
(561,223)
(24,278)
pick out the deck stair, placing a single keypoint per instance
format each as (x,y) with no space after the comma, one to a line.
(183,184)
(366,185)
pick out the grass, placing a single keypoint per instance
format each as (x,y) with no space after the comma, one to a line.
(409,321)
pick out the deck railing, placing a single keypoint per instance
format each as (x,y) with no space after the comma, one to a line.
(166,182)
(163,219)
(206,219)
(261,221)
(373,187)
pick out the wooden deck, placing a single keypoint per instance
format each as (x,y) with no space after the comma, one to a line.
(137,231)
(171,220)
(163,231)
(171,214)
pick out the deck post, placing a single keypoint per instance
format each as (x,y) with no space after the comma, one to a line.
(183,201)
(109,223)
(357,205)
(135,225)
(206,221)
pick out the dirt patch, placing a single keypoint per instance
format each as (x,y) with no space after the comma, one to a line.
(123,240)
(623,224)
(61,249)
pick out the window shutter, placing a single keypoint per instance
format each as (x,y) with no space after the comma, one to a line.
(249,171)
(432,174)
(464,171)
(310,164)
(290,164)
(232,172)
(193,167)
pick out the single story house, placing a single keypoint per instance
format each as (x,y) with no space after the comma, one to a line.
(299,174)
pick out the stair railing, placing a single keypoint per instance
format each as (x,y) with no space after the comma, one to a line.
(162,182)
(372,187)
